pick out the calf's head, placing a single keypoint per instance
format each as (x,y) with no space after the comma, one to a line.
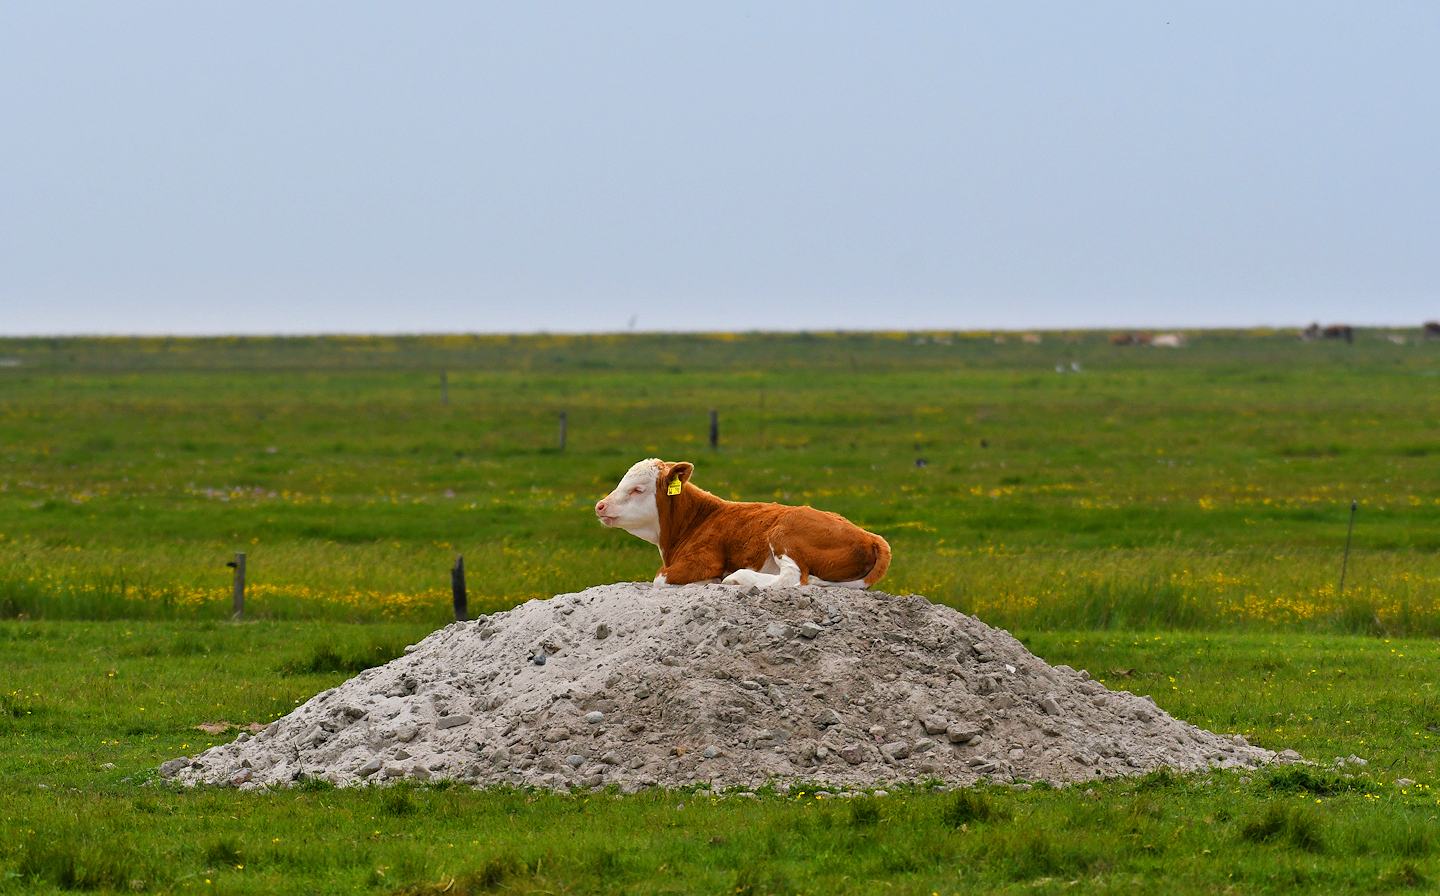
(634,504)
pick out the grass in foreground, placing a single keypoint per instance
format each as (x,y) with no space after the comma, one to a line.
(1155,835)
(128,693)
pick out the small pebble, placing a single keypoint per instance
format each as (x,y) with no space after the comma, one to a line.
(172,767)
(827,717)
(595,717)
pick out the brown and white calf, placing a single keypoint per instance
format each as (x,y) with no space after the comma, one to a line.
(704,538)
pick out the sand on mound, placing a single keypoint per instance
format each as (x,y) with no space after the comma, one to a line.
(640,685)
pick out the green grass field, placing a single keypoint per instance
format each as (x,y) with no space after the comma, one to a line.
(1179,512)
(1202,487)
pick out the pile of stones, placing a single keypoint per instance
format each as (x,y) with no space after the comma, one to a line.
(638,685)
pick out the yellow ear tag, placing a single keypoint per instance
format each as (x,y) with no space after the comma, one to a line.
(675,486)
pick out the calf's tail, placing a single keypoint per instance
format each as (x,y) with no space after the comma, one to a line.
(882,561)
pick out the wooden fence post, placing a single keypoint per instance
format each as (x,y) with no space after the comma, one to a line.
(1346,561)
(562,430)
(762,419)
(457,587)
(714,429)
(237,605)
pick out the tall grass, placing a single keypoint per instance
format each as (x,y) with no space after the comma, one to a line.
(1387,593)
(1189,589)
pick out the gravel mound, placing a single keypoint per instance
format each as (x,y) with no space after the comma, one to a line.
(642,686)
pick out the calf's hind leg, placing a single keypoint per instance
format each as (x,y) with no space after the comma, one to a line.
(788,576)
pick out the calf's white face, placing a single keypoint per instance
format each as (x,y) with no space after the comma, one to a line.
(631,506)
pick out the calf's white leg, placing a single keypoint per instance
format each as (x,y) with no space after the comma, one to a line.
(787,575)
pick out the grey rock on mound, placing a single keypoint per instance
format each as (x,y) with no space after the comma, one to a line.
(638,685)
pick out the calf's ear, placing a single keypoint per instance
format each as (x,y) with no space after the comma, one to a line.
(680,471)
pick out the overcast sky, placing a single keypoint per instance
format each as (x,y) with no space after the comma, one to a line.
(352,167)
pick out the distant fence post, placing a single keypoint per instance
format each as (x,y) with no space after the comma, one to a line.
(444,387)
(562,430)
(714,429)
(457,587)
(762,419)
(237,605)
(1346,560)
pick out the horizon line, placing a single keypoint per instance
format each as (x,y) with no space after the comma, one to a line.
(844,331)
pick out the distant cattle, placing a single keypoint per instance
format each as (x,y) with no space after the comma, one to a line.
(1130,339)
(704,538)
(1168,340)
(1334,331)
(1432,329)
